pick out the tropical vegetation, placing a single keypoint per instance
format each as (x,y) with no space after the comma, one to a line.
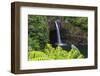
(73,31)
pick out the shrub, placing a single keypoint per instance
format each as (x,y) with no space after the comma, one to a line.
(50,53)
(74,54)
(37,55)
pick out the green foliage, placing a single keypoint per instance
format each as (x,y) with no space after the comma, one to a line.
(37,32)
(74,53)
(37,55)
(50,53)
(81,22)
(55,53)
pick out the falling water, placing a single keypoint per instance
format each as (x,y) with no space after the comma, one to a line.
(58,33)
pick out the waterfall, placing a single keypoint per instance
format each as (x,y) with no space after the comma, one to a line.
(58,33)
(59,39)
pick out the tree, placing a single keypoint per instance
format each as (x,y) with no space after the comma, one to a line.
(37,32)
